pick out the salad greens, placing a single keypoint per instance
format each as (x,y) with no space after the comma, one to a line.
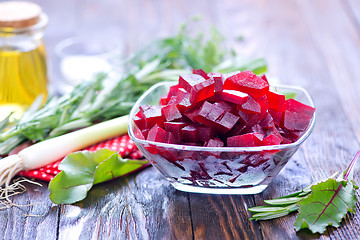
(113,94)
(82,170)
(319,205)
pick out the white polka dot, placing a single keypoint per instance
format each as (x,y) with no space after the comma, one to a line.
(121,149)
(36,172)
(56,172)
(130,146)
(43,175)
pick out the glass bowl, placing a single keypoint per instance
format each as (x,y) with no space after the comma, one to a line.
(217,170)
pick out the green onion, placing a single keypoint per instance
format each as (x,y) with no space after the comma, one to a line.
(51,150)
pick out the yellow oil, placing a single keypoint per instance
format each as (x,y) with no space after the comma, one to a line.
(23,76)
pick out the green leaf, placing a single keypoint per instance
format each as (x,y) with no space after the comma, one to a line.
(81,170)
(326,205)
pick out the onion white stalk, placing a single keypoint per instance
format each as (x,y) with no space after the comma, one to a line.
(51,150)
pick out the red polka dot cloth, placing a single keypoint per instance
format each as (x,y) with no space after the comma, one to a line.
(123,144)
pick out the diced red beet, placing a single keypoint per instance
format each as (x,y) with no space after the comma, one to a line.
(242,111)
(233,96)
(276,101)
(192,113)
(175,128)
(189,133)
(139,121)
(145,132)
(267,121)
(185,104)
(151,115)
(226,106)
(201,73)
(169,138)
(169,154)
(198,87)
(208,114)
(216,142)
(265,78)
(277,116)
(156,134)
(219,81)
(171,113)
(204,133)
(226,122)
(257,129)
(173,91)
(164,100)
(273,131)
(295,106)
(296,121)
(272,139)
(251,106)
(245,140)
(247,82)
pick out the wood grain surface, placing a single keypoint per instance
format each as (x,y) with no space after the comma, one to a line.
(314,44)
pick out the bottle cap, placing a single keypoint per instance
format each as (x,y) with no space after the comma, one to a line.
(19,14)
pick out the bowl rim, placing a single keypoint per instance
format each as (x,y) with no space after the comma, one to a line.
(295,144)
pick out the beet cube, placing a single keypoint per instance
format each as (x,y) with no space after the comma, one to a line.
(219,81)
(298,107)
(164,100)
(151,115)
(208,114)
(272,139)
(216,142)
(198,87)
(226,122)
(277,116)
(226,106)
(204,133)
(264,78)
(192,113)
(171,113)
(156,134)
(173,91)
(185,103)
(201,73)
(296,121)
(251,106)
(247,82)
(170,138)
(233,96)
(276,101)
(139,121)
(267,121)
(189,133)
(245,140)
(175,128)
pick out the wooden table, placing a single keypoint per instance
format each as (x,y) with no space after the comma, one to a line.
(311,43)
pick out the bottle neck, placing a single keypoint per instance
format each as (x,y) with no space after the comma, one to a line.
(23,39)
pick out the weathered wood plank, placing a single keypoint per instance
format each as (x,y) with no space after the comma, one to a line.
(142,206)
(38,221)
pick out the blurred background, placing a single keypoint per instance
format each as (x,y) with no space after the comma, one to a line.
(132,24)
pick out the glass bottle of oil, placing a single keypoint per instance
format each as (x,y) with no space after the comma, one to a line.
(23,71)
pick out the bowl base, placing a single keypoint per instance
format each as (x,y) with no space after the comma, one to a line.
(228,191)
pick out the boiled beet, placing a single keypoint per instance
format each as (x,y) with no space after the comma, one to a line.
(276,101)
(219,81)
(295,106)
(156,134)
(233,96)
(175,128)
(171,113)
(201,73)
(198,87)
(247,82)
(245,140)
(151,115)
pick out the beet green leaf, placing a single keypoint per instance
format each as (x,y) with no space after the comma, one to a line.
(82,170)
